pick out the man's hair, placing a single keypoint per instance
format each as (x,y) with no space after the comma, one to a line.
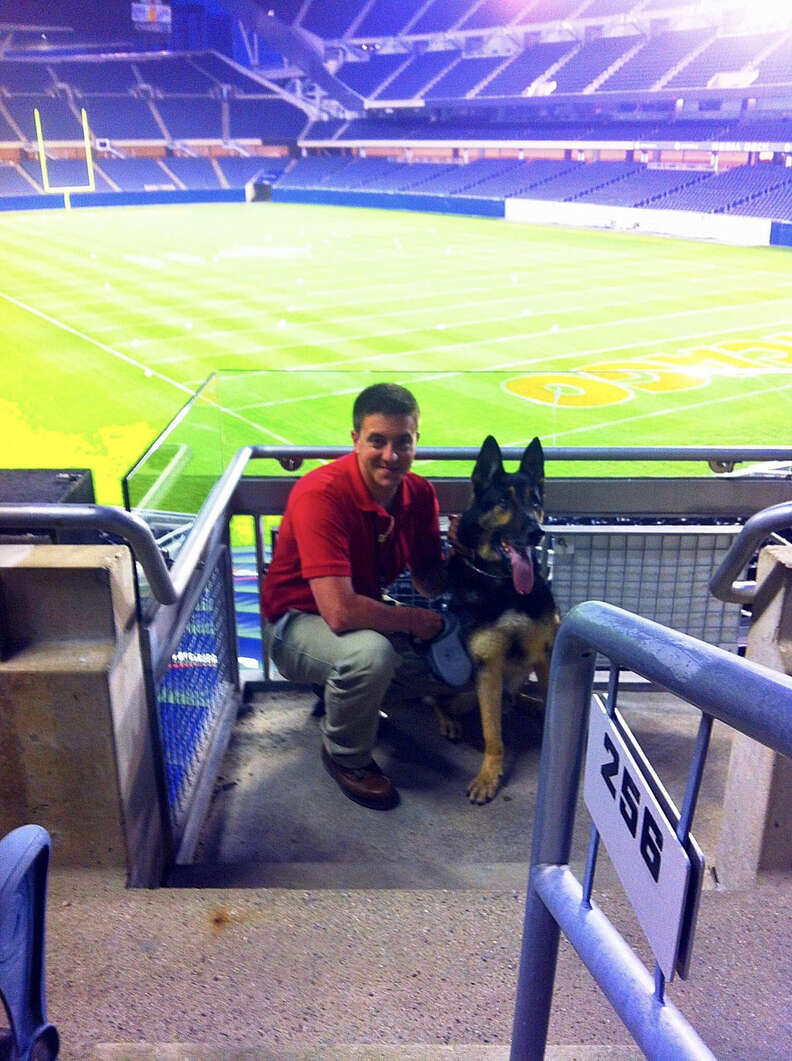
(388,399)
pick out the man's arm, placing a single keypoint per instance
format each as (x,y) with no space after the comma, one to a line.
(434,581)
(343,609)
(431,583)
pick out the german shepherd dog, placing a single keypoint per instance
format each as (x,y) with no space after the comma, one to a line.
(504,606)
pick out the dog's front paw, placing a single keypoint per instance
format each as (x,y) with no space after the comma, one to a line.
(485,784)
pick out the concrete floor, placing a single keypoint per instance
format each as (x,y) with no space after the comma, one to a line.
(313,928)
(278,820)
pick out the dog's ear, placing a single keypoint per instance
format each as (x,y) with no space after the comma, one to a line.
(532,463)
(489,463)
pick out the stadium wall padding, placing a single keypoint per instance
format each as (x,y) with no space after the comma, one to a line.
(171,195)
(31,202)
(781,234)
(683,224)
(436,204)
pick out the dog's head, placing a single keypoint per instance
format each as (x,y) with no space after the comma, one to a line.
(504,520)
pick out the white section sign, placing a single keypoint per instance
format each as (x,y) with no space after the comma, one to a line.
(641,840)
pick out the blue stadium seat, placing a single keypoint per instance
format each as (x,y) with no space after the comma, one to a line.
(24,865)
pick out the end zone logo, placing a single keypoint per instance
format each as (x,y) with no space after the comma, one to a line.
(612,382)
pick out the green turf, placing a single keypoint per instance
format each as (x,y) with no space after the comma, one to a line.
(111,318)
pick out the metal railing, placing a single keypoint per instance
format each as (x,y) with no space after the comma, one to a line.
(723,686)
(173,601)
(724,583)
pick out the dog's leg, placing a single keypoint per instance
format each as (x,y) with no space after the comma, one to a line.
(489,686)
(449,727)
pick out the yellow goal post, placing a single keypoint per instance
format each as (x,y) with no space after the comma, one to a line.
(66,190)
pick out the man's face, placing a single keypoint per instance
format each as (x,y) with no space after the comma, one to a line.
(385,448)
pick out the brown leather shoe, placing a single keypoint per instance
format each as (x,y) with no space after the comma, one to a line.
(366,785)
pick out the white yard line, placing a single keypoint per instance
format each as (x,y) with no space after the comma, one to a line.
(592,326)
(149,372)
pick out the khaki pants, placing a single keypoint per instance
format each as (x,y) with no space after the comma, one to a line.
(359,670)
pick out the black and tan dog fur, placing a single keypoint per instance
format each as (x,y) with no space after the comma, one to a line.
(505,607)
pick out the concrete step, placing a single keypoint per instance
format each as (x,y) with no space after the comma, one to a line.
(350,1052)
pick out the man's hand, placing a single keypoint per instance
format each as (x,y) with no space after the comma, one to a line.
(425,624)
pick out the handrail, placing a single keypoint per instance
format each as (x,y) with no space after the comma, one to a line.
(757,528)
(743,694)
(719,458)
(168,586)
(127,525)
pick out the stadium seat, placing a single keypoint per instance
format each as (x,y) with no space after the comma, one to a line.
(24,864)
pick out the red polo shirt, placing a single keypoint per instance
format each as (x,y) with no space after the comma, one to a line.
(333,526)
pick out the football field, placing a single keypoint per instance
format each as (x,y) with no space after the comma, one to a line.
(112,318)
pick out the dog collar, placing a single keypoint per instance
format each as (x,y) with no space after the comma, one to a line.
(485,574)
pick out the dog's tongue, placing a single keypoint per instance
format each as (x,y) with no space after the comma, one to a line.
(522,570)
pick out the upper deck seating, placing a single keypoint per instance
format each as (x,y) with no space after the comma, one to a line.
(174,74)
(7,133)
(267,119)
(776,69)
(330,21)
(97,76)
(220,72)
(417,75)
(759,130)
(57,119)
(494,13)
(440,15)
(724,54)
(550,11)
(461,78)
(525,68)
(191,118)
(365,77)
(658,55)
(592,60)
(23,76)
(387,19)
(285,10)
(323,129)
(121,118)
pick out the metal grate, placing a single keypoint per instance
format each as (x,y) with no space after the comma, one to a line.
(191,694)
(657,572)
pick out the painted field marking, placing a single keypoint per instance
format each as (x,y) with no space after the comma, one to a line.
(591,326)
(679,409)
(148,372)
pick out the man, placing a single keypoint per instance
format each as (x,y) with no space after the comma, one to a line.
(349,529)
